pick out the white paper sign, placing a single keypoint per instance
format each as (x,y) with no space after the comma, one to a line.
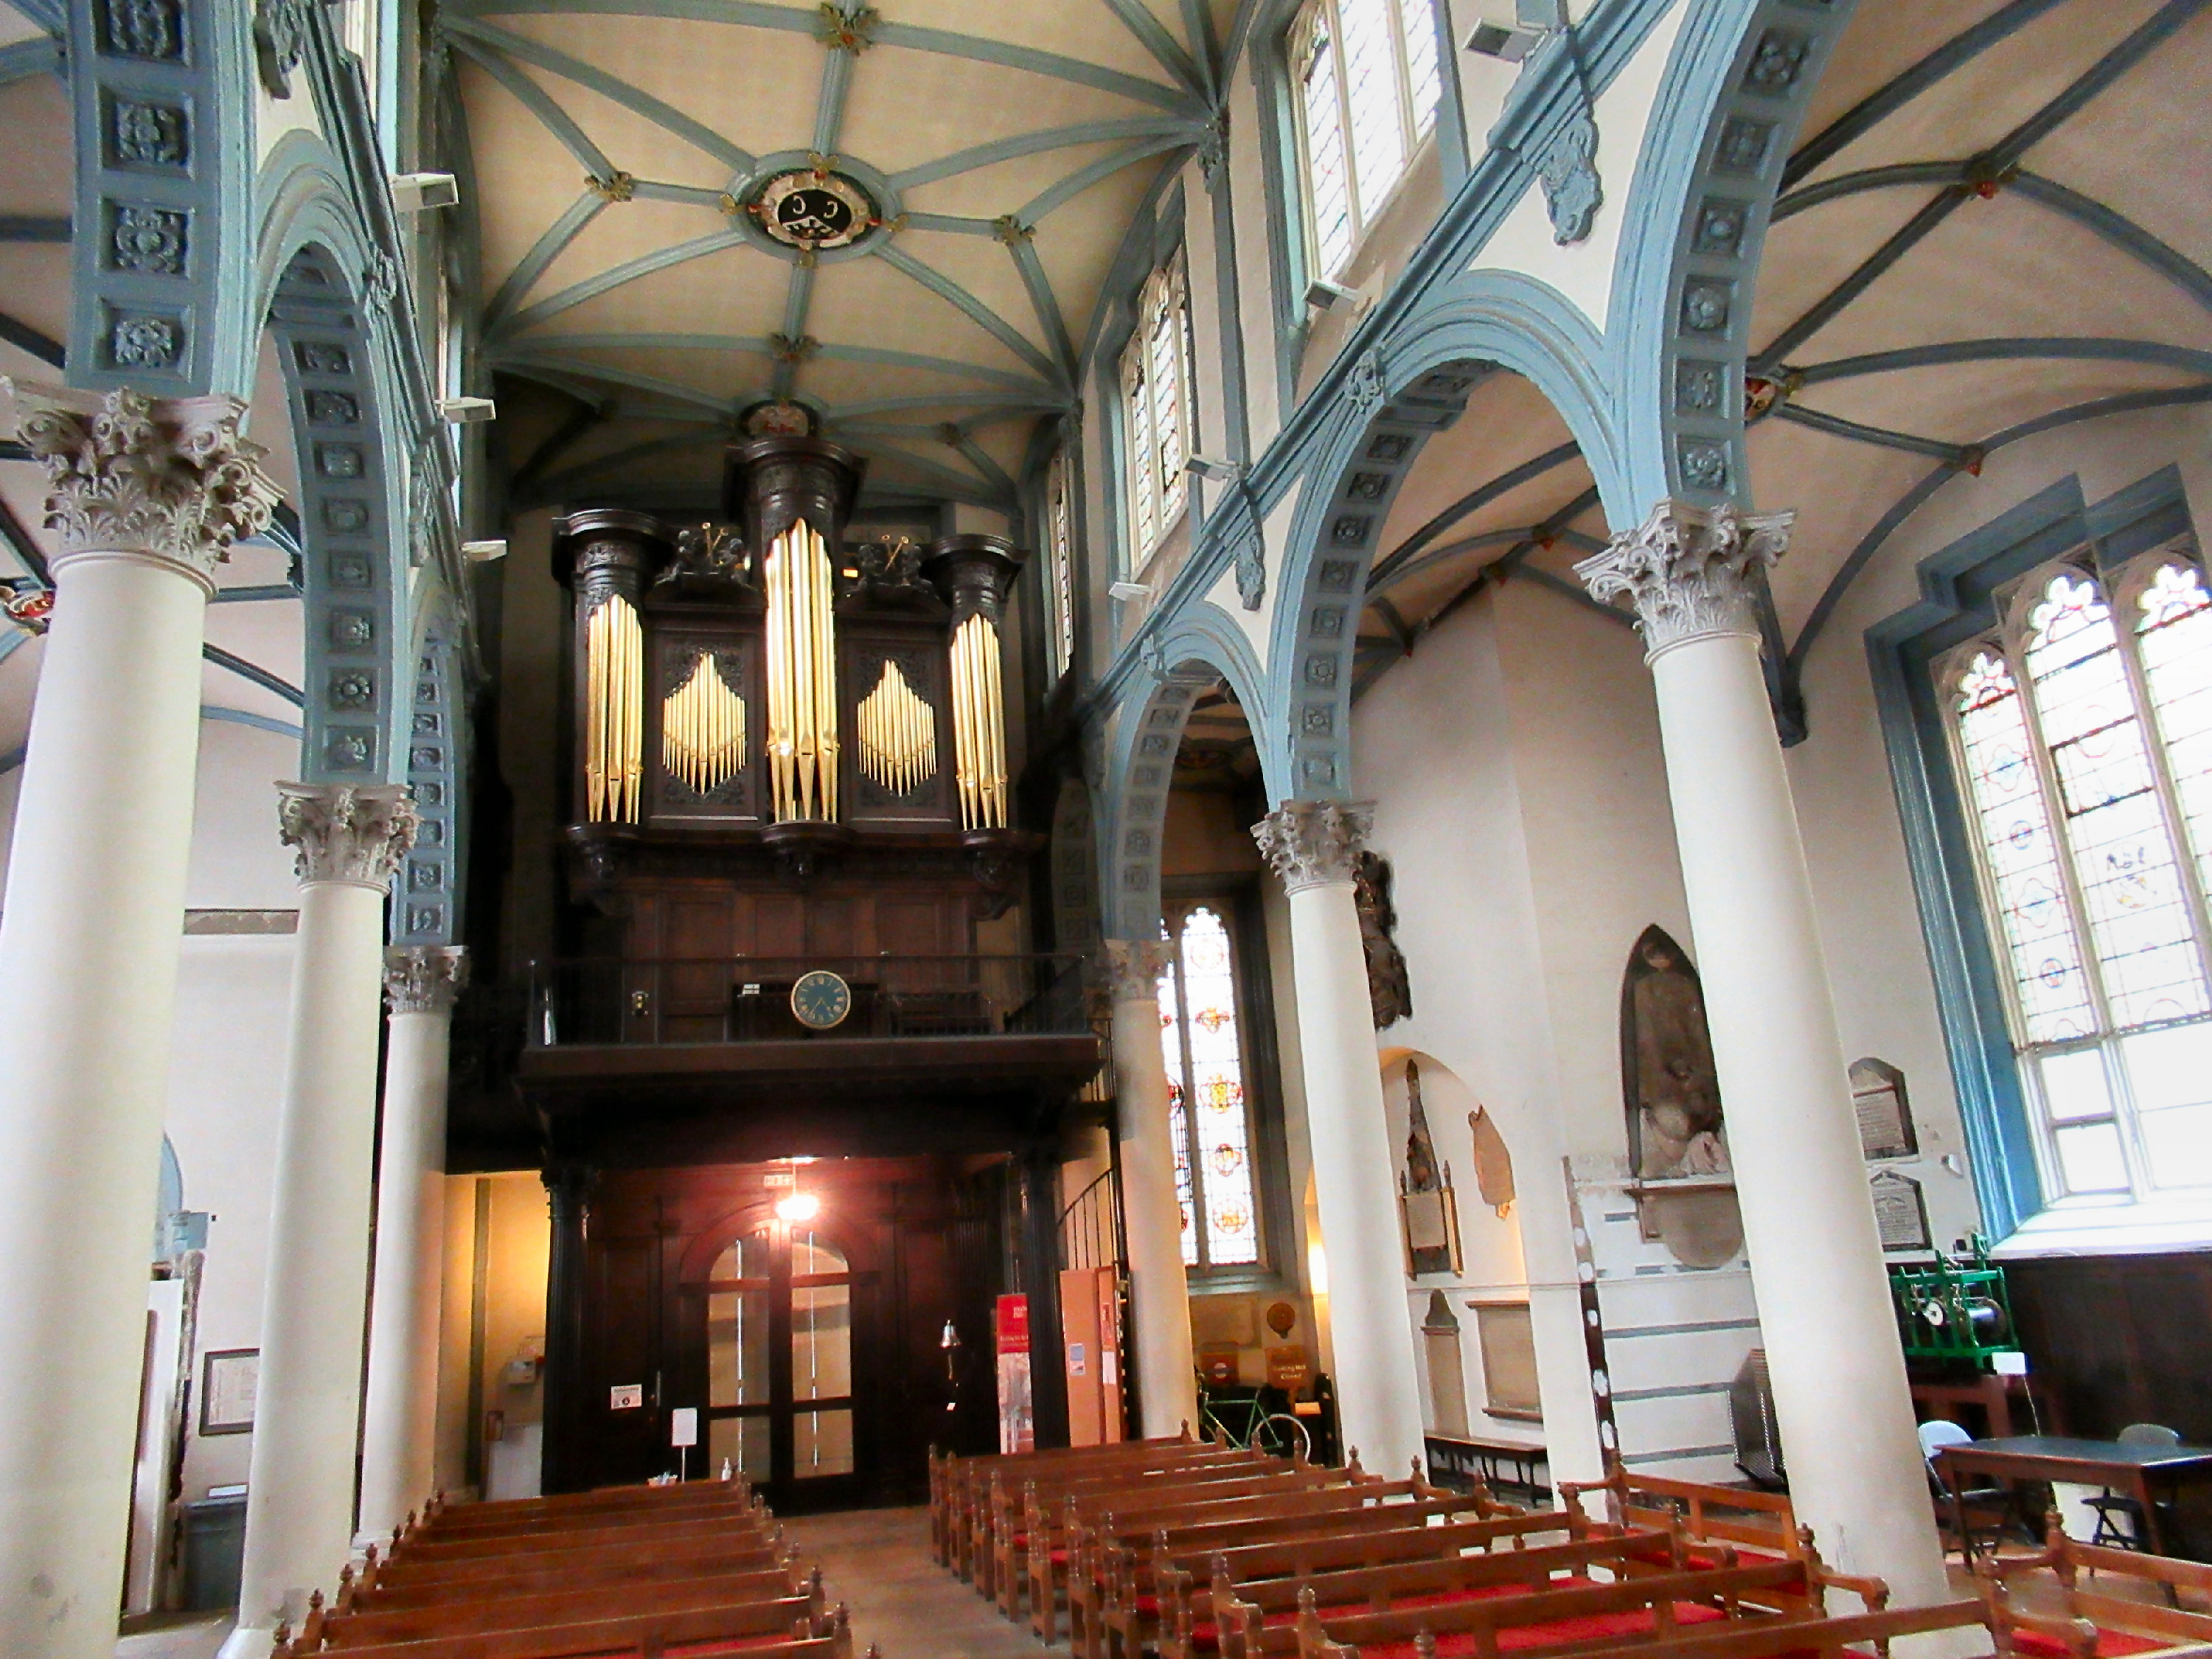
(1076,1359)
(683,1426)
(626,1397)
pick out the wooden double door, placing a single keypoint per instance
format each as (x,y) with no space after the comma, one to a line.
(782,1356)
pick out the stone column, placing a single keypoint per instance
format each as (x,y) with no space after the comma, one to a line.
(400,1411)
(146,497)
(1855,1475)
(1313,846)
(1159,1296)
(300,1501)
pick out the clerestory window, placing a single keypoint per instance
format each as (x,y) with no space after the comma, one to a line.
(2082,730)
(1209,1108)
(1060,601)
(1156,407)
(1365,88)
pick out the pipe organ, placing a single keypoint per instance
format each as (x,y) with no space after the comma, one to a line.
(767,678)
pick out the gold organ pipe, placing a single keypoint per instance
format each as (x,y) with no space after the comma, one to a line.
(897,733)
(702,728)
(614,712)
(802,689)
(979,730)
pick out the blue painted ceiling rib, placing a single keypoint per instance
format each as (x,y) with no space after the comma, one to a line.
(989,320)
(1901,89)
(1918,496)
(535,98)
(33,342)
(662,115)
(1881,437)
(1166,51)
(34,228)
(806,20)
(255,673)
(2007,348)
(614,275)
(1045,138)
(556,237)
(25,58)
(1481,496)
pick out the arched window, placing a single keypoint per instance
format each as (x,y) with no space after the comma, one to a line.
(2083,733)
(1208,1107)
(1156,407)
(1059,597)
(1367,86)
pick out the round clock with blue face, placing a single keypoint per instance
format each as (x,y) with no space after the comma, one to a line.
(821,999)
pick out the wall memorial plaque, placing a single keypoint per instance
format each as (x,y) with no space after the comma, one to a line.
(1900,1213)
(1885,1119)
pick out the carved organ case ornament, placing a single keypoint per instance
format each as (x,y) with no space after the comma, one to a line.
(765,676)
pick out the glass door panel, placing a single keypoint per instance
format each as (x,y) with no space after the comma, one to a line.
(822,1443)
(743,1442)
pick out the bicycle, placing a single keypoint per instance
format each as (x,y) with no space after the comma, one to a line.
(1258,1419)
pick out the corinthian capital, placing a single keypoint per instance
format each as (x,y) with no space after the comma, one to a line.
(351,832)
(424,979)
(1134,967)
(1314,843)
(167,478)
(1689,570)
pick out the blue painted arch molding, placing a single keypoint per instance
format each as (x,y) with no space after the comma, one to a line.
(1203,645)
(315,289)
(1730,103)
(1413,384)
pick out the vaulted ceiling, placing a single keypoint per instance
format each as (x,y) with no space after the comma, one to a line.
(1997,221)
(636,298)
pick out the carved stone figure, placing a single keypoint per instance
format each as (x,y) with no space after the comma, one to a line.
(1674,1096)
(1388,988)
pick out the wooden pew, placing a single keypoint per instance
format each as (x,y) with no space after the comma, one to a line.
(949,1475)
(1042,1561)
(1251,1619)
(1631,1612)
(1106,1569)
(1841,1638)
(1002,1536)
(375,1588)
(647,1635)
(574,1509)
(426,1548)
(774,1603)
(1182,1598)
(2090,1623)
(990,1509)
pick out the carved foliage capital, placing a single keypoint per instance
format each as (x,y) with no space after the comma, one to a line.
(424,979)
(1690,571)
(1134,967)
(1314,843)
(125,473)
(355,834)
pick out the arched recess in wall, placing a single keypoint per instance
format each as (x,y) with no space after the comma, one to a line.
(1204,647)
(1403,392)
(1734,93)
(1463,1245)
(327,293)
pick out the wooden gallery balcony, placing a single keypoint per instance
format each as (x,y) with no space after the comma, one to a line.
(737,1058)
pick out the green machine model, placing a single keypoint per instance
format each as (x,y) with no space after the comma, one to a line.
(1954,1307)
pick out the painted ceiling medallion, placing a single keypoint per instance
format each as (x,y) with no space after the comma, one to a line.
(778,418)
(810,211)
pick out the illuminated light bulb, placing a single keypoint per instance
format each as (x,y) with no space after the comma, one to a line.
(1317,1269)
(798,1206)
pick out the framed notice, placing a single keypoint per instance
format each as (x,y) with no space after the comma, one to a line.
(229,1379)
(1884,1115)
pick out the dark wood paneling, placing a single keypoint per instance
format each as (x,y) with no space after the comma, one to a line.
(2117,1340)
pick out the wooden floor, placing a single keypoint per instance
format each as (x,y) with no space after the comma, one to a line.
(877,1562)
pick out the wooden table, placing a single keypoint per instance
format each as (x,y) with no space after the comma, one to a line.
(2128,1469)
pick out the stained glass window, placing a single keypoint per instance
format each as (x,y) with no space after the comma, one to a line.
(1367,88)
(1156,406)
(1208,1110)
(2084,737)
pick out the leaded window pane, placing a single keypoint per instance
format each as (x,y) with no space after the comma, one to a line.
(1224,1138)
(2174,639)
(1178,1116)
(2013,823)
(2137,913)
(1329,191)
(1418,24)
(1371,89)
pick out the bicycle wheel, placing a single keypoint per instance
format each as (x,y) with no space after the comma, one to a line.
(1282,1436)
